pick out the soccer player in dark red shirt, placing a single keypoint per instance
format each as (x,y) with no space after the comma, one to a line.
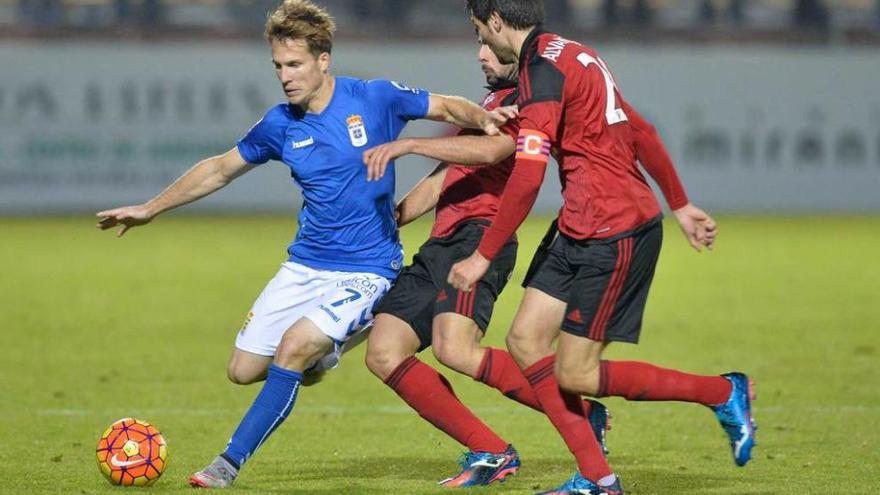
(593,280)
(423,310)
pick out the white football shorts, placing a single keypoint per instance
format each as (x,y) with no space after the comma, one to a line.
(339,303)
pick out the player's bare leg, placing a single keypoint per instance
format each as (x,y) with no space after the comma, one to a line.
(246,367)
(456,343)
(577,364)
(530,340)
(534,327)
(391,341)
(315,373)
(300,347)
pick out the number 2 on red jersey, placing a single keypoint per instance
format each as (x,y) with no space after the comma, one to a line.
(613,114)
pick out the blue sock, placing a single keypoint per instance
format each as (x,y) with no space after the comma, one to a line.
(269,410)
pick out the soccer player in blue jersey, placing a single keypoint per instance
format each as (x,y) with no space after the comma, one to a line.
(346,253)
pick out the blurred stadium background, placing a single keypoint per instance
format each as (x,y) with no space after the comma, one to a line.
(770,109)
(766,105)
(739,19)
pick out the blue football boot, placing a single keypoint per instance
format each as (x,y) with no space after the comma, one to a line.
(578,485)
(600,422)
(735,417)
(482,468)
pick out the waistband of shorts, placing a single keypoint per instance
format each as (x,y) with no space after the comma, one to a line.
(653,222)
(483,223)
(336,266)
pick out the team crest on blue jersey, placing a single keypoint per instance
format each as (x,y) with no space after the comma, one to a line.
(356,131)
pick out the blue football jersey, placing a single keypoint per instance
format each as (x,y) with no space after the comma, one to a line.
(346,223)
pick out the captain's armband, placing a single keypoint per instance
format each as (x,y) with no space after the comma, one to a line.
(533,145)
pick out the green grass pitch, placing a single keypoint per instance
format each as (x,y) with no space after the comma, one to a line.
(97,328)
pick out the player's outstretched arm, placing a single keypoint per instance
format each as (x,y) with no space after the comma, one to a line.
(463,150)
(423,197)
(466,114)
(476,151)
(202,179)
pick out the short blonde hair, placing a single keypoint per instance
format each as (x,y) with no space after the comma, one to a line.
(302,20)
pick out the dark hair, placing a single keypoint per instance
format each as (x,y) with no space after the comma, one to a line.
(518,14)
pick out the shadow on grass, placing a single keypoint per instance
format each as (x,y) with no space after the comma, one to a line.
(674,480)
(418,475)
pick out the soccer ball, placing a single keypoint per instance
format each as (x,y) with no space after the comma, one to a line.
(132,452)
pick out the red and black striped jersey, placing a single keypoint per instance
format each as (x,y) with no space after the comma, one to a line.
(569,102)
(474,192)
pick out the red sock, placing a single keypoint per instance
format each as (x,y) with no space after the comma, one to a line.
(566,412)
(428,392)
(499,371)
(642,381)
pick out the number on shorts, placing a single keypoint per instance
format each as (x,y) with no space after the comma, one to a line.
(355,295)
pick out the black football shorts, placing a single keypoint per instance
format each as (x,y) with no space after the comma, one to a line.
(604,282)
(421,291)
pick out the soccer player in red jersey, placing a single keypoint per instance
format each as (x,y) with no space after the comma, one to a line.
(592,282)
(592,279)
(423,310)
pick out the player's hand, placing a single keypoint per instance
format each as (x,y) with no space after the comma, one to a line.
(697,226)
(497,118)
(127,217)
(467,272)
(377,159)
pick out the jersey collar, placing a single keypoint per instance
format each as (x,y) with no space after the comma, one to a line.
(530,40)
(501,84)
